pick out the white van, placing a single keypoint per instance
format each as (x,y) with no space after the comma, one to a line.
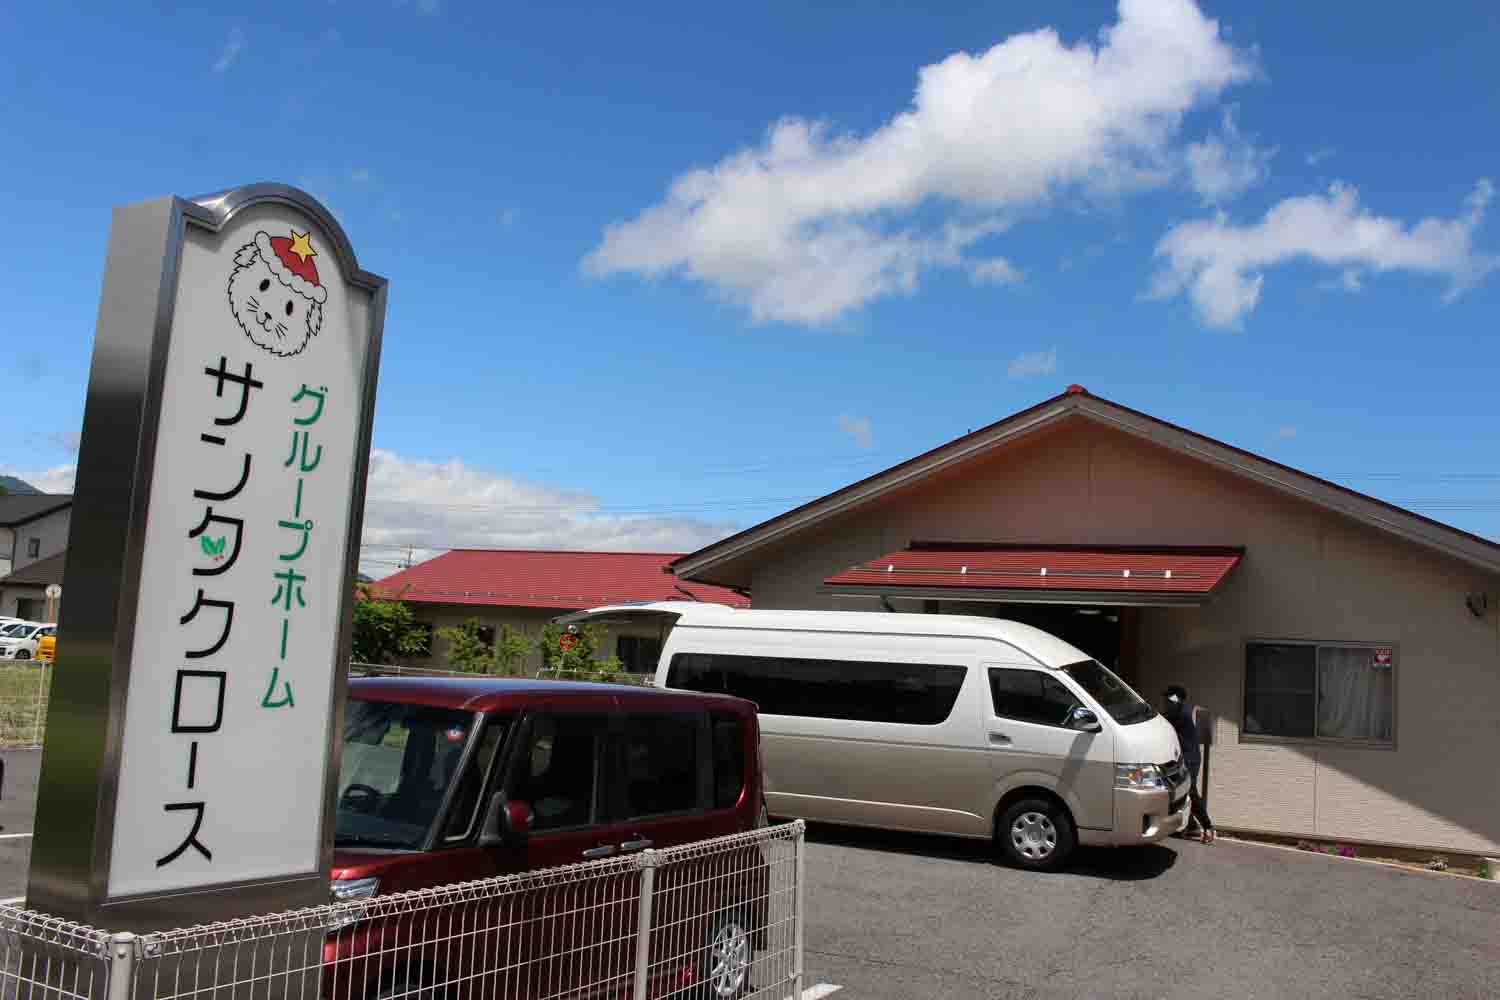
(952,724)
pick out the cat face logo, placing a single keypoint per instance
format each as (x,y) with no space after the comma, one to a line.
(274,292)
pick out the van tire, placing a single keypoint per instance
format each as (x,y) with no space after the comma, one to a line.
(1036,834)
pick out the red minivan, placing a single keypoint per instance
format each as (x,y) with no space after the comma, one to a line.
(452,780)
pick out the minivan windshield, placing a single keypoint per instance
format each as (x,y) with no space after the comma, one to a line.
(1114,695)
(398,761)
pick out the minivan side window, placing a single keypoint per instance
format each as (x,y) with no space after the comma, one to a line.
(465,807)
(729,759)
(921,694)
(660,764)
(1030,696)
(557,773)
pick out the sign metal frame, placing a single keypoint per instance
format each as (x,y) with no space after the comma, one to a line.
(78,786)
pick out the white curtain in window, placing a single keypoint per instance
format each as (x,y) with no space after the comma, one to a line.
(1355,697)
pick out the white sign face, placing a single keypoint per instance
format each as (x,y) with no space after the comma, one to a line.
(236,632)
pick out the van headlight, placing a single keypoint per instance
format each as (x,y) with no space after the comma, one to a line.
(1139,776)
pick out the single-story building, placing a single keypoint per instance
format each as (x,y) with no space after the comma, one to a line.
(1348,650)
(33,531)
(526,589)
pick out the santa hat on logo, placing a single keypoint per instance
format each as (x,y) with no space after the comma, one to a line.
(290,258)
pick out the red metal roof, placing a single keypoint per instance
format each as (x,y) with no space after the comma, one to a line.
(1107,569)
(530,578)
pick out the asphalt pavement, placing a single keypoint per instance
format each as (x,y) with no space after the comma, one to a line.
(896,916)
(17,807)
(900,917)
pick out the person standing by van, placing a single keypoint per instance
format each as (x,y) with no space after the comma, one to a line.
(1180,714)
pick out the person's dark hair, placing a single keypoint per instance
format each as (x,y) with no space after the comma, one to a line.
(1178,690)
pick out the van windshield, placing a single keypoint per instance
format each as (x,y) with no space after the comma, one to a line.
(1113,695)
(398,761)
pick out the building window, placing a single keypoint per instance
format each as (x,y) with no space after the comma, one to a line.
(33,548)
(638,654)
(1313,691)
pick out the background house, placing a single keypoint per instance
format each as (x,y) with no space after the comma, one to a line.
(33,538)
(1349,650)
(526,589)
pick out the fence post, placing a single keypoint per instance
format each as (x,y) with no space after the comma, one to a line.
(647,864)
(121,966)
(41,700)
(799,846)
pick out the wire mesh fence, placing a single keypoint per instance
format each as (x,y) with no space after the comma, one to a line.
(24,686)
(713,919)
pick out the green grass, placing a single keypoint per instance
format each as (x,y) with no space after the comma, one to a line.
(23,703)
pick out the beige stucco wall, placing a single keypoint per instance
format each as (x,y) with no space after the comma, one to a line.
(528,621)
(1307,574)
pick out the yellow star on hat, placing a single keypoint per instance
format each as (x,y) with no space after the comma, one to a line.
(302,246)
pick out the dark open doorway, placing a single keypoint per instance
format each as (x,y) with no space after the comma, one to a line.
(1105,632)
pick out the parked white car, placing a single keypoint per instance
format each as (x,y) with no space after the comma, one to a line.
(19,641)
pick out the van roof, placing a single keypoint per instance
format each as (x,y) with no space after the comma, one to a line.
(488,694)
(1044,647)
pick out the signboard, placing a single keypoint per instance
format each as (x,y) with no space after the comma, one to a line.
(567,642)
(1383,658)
(228,642)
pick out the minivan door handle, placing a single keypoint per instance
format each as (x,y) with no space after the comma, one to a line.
(635,845)
(602,851)
(999,739)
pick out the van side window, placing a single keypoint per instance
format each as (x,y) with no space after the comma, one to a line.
(729,760)
(920,694)
(1030,696)
(661,764)
(558,770)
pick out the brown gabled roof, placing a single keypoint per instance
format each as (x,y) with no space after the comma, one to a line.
(1078,401)
(39,573)
(18,508)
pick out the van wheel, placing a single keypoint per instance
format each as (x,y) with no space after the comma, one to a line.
(726,959)
(1036,834)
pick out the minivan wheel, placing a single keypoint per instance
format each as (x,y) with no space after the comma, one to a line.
(1036,834)
(726,960)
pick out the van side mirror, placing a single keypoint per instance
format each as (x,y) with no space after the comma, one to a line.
(1084,720)
(506,823)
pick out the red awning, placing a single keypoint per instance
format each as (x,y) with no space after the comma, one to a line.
(1058,573)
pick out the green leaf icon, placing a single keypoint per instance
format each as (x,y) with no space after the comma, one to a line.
(212,546)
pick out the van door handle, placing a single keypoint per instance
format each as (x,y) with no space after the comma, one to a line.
(602,851)
(635,845)
(1000,739)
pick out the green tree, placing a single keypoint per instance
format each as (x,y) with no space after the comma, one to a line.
(511,650)
(580,661)
(385,631)
(467,650)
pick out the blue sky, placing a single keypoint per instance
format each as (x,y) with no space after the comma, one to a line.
(661,273)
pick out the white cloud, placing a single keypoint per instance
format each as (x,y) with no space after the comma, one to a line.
(1035,363)
(995,271)
(1222,167)
(54,479)
(1220,266)
(232,49)
(433,506)
(1317,156)
(860,430)
(813,223)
